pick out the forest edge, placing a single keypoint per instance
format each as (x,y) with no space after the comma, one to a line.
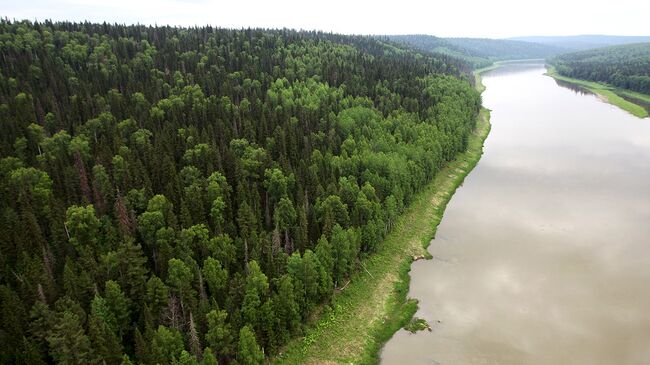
(374,305)
(625,99)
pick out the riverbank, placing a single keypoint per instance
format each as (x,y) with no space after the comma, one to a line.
(478,84)
(374,304)
(478,72)
(613,95)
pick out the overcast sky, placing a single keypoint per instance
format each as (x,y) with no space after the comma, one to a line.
(448,18)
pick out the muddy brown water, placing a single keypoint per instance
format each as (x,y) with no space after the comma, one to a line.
(543,255)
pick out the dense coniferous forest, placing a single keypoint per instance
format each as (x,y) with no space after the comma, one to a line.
(625,66)
(191,195)
(480,52)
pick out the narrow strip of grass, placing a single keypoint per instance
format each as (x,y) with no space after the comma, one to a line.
(635,95)
(608,93)
(374,305)
(478,84)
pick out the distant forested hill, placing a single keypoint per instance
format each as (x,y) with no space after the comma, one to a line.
(583,42)
(479,52)
(437,45)
(170,195)
(500,49)
(625,66)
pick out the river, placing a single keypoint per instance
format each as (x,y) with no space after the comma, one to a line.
(543,255)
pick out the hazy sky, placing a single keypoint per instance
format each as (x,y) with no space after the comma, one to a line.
(488,18)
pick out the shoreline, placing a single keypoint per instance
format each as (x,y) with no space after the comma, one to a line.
(374,305)
(609,94)
(478,85)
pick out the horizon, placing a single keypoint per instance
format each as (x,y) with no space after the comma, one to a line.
(181,26)
(501,19)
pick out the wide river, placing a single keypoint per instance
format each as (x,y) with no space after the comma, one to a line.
(543,255)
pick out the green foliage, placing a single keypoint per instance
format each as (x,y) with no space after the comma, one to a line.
(126,360)
(248,351)
(32,185)
(286,310)
(305,273)
(479,52)
(628,100)
(185,359)
(118,304)
(157,294)
(256,288)
(341,253)
(218,335)
(180,279)
(417,324)
(82,226)
(208,357)
(166,345)
(104,339)
(332,212)
(171,186)
(214,275)
(276,184)
(68,341)
(103,191)
(100,309)
(625,66)
(374,304)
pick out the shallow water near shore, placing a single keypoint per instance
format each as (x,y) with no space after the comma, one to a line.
(543,255)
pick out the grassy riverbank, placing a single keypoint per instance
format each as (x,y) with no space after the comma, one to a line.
(478,84)
(374,305)
(610,94)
